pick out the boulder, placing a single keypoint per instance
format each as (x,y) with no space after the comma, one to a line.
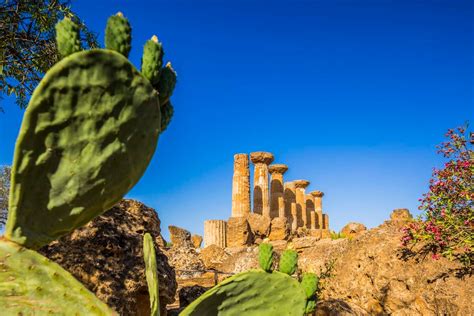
(259,225)
(186,262)
(353,229)
(196,240)
(213,256)
(279,229)
(401,214)
(106,255)
(304,242)
(180,237)
(188,294)
(238,232)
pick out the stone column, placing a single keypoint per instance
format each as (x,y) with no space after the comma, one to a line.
(318,207)
(215,233)
(290,204)
(311,219)
(301,202)
(241,186)
(277,205)
(325,221)
(261,201)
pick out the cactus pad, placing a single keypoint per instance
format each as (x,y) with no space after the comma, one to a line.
(251,293)
(118,35)
(67,37)
(265,256)
(87,136)
(309,283)
(151,271)
(152,60)
(30,284)
(288,261)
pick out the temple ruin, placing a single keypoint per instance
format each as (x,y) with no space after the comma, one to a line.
(281,209)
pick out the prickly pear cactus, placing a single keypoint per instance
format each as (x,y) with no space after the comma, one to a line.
(258,293)
(265,256)
(87,136)
(151,271)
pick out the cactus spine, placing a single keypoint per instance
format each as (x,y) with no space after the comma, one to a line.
(92,114)
(67,37)
(151,274)
(118,34)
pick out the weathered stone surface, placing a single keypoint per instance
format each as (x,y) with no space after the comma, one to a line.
(401,214)
(353,229)
(180,237)
(279,229)
(304,242)
(215,233)
(310,213)
(196,240)
(301,216)
(261,195)
(238,232)
(106,255)
(241,186)
(259,225)
(374,276)
(325,221)
(213,256)
(277,205)
(186,262)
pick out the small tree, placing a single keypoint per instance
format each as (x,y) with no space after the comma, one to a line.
(446,226)
(27,43)
(4,191)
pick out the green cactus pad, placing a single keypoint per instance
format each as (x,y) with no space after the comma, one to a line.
(251,293)
(30,284)
(310,306)
(152,60)
(288,261)
(67,37)
(265,256)
(167,112)
(87,136)
(310,284)
(118,34)
(149,256)
(167,83)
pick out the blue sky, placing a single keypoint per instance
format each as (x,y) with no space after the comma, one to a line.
(352,95)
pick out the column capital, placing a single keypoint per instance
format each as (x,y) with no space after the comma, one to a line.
(317,194)
(261,157)
(301,184)
(277,168)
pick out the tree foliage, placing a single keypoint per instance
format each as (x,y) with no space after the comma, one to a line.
(27,43)
(446,227)
(4,191)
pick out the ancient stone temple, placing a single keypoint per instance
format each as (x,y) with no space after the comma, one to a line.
(280,209)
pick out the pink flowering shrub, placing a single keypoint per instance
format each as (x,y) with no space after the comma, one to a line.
(446,227)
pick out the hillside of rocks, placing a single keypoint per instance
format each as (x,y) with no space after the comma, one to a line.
(368,272)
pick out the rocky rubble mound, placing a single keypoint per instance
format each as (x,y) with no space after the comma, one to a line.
(373,276)
(106,255)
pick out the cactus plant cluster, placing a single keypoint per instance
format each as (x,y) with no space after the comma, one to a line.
(261,292)
(87,136)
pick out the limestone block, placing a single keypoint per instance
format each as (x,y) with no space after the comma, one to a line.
(180,237)
(401,214)
(215,232)
(304,242)
(279,229)
(259,225)
(213,256)
(196,240)
(238,232)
